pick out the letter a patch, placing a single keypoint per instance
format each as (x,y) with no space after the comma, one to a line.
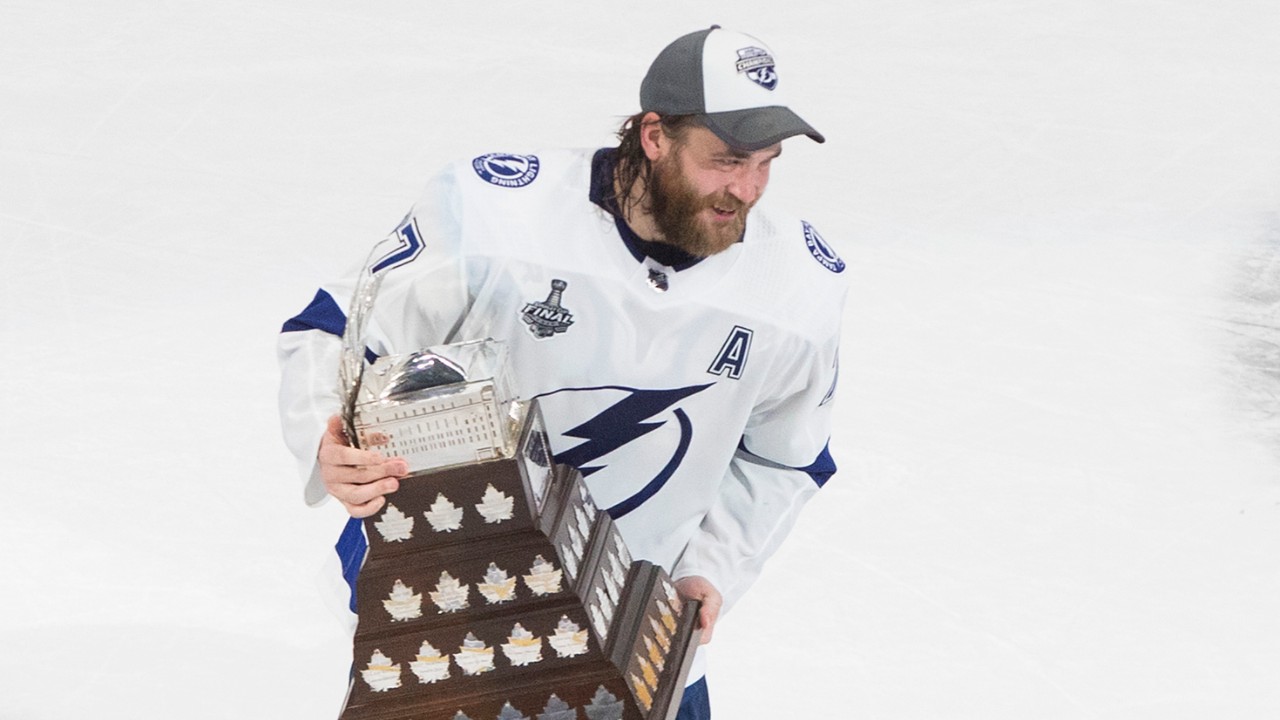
(732,357)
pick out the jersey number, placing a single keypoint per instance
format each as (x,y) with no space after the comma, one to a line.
(409,248)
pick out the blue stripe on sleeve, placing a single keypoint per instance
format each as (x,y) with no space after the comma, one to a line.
(351,548)
(820,470)
(322,314)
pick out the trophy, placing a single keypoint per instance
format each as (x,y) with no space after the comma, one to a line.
(493,586)
(438,408)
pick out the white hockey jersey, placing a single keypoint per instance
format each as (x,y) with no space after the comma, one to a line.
(694,397)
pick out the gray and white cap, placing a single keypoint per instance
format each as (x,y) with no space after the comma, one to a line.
(730,80)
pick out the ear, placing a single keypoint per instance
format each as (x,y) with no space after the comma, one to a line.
(652,138)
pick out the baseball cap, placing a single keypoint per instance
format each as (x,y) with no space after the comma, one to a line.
(730,80)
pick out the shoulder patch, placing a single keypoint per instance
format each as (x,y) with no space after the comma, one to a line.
(506,170)
(820,250)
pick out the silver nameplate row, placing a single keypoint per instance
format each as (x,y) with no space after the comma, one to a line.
(443,406)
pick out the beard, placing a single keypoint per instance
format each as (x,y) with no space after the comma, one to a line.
(676,209)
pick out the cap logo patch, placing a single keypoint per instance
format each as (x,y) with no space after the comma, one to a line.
(820,250)
(504,170)
(758,64)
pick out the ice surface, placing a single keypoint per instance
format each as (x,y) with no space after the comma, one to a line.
(1057,423)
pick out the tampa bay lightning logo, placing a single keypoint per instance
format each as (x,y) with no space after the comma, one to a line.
(820,250)
(505,170)
(644,431)
(758,65)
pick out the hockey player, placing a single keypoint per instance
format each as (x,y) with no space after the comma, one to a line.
(681,340)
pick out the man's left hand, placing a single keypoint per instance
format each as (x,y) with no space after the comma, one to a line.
(696,587)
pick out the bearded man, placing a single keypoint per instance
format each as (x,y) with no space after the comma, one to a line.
(682,342)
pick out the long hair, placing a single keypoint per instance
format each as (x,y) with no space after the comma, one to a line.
(633,166)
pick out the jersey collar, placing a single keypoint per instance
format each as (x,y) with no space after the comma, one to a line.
(602,165)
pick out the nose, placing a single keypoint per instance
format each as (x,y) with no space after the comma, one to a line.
(747,184)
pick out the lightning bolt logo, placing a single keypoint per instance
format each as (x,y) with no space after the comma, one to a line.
(624,422)
(508,165)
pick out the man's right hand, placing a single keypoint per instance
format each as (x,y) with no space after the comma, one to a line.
(357,478)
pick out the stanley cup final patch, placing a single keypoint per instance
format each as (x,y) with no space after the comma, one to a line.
(758,64)
(547,317)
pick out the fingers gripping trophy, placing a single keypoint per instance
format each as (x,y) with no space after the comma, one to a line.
(493,586)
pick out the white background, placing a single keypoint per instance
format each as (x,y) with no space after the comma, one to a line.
(1057,420)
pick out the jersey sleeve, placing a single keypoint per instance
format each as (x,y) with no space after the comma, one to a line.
(421,302)
(781,462)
